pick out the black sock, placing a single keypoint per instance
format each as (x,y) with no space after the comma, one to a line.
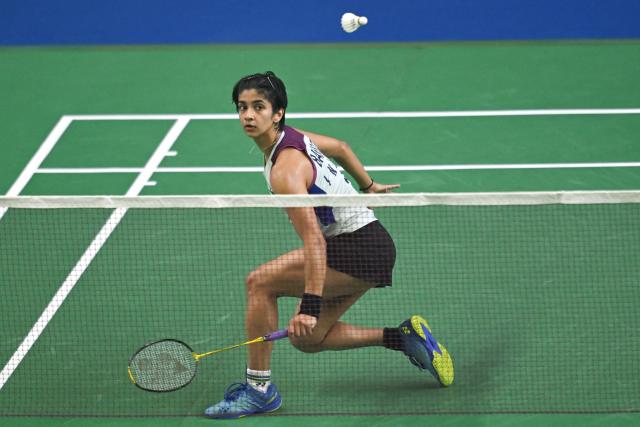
(392,339)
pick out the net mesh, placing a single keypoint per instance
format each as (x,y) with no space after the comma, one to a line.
(534,295)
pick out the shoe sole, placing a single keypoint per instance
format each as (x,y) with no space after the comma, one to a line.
(235,417)
(441,360)
(267,411)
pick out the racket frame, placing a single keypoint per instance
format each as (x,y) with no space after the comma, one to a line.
(145,346)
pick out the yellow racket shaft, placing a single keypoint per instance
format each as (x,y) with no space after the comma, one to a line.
(231,347)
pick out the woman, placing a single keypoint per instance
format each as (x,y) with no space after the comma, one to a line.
(336,265)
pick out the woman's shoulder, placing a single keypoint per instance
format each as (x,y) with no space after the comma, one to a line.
(292,135)
(291,139)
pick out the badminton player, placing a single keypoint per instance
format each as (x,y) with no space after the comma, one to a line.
(345,252)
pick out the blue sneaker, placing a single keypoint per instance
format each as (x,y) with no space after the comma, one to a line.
(424,351)
(241,400)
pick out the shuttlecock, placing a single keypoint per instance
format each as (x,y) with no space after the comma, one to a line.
(351,22)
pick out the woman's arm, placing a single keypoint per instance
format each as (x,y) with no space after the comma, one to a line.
(292,174)
(342,153)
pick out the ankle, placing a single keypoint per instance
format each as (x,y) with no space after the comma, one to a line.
(259,380)
(392,339)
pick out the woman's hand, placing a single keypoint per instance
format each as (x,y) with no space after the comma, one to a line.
(377,187)
(302,325)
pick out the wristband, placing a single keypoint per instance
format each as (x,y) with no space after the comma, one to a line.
(368,186)
(310,305)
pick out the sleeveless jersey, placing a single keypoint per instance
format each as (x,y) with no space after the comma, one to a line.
(327,179)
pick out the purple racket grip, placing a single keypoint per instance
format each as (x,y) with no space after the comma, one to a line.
(277,335)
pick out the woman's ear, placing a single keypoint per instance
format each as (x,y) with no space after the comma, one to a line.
(277,116)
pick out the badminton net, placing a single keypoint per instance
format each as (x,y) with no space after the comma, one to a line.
(534,295)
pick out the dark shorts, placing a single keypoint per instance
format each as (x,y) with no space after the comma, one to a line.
(367,254)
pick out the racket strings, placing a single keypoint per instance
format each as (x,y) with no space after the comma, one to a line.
(163,366)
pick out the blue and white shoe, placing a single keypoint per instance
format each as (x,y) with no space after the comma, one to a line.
(241,400)
(424,351)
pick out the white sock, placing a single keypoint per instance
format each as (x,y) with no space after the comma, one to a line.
(259,380)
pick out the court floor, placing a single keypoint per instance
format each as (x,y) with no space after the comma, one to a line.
(432,117)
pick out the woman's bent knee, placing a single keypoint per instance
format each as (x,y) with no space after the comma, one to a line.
(309,344)
(255,282)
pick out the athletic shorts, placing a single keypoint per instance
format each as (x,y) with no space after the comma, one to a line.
(367,254)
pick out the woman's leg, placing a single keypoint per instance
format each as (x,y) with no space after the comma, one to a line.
(284,276)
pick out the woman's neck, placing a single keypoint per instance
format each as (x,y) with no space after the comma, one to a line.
(267,141)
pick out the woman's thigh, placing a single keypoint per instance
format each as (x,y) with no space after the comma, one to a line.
(284,276)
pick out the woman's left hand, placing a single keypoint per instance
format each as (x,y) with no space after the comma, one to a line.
(382,188)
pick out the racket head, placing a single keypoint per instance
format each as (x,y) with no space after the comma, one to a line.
(163,366)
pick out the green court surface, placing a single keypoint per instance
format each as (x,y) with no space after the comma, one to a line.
(560,281)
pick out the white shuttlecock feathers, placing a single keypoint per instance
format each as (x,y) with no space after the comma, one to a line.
(351,22)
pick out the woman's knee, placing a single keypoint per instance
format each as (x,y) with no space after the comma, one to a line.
(256,283)
(308,344)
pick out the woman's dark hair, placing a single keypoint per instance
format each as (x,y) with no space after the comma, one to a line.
(269,86)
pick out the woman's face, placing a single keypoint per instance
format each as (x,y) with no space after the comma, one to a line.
(256,113)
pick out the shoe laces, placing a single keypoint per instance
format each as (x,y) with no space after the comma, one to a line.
(234,391)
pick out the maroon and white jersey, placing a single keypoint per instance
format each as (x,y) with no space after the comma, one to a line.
(327,179)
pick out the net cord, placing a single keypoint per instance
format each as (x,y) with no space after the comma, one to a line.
(284,201)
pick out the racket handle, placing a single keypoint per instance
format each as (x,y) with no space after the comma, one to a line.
(277,335)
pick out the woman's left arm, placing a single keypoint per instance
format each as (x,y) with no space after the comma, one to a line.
(344,155)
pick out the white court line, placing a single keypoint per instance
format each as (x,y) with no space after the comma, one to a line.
(37,159)
(88,170)
(90,253)
(380,114)
(397,168)
(373,114)
(157,156)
